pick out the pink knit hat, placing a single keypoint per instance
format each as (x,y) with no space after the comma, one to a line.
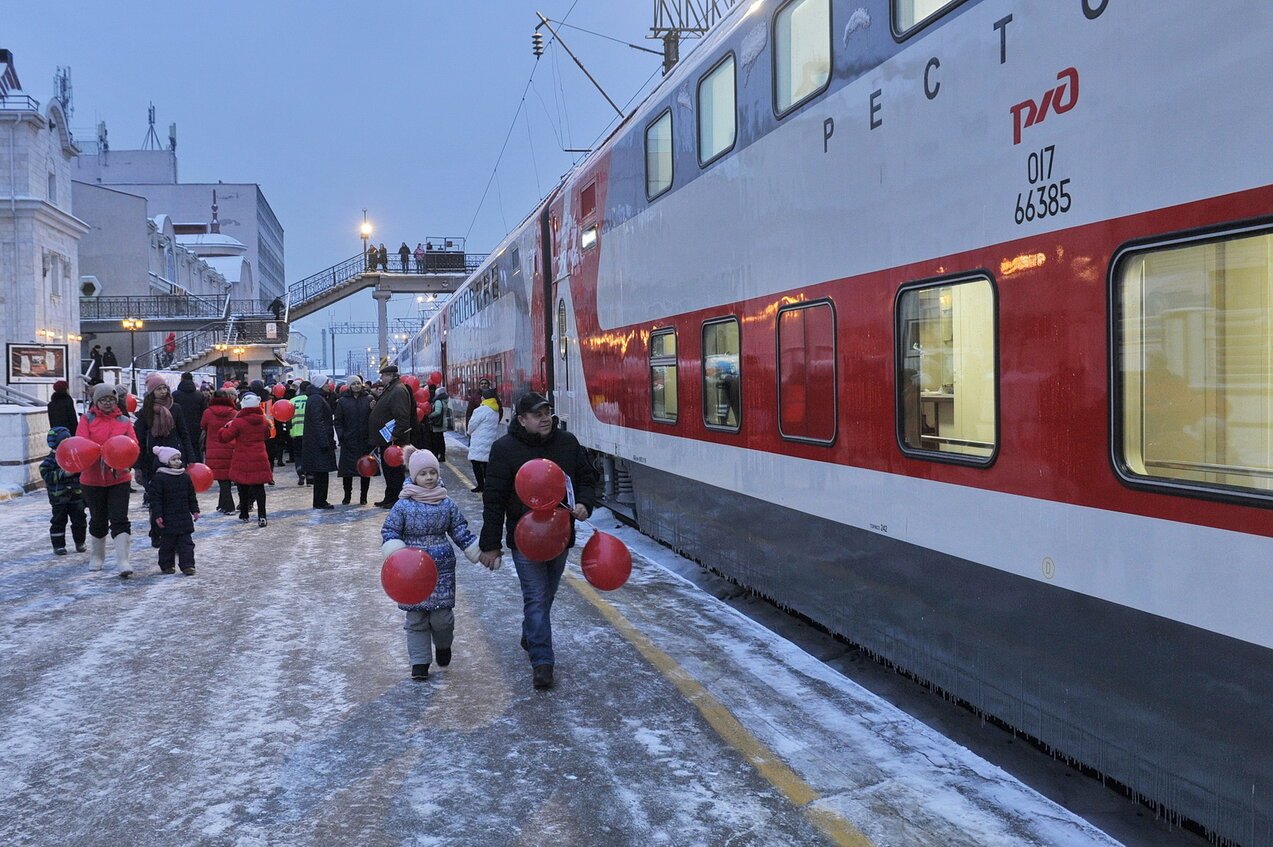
(165,454)
(154,380)
(418,461)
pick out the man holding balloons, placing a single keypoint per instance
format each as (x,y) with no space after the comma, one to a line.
(540,501)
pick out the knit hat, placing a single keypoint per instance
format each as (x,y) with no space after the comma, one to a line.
(165,454)
(355,380)
(101,390)
(57,435)
(154,380)
(420,460)
(250,401)
(60,385)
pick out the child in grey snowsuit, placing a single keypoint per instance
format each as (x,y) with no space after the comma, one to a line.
(65,496)
(422,518)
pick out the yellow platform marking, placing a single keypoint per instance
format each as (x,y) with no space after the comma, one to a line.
(798,792)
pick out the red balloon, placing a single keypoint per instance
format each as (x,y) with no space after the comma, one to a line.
(368,466)
(412,382)
(393,456)
(542,535)
(435,378)
(344,388)
(421,411)
(120,452)
(284,411)
(130,403)
(409,576)
(421,395)
(279,390)
(606,562)
(201,476)
(77,453)
(540,484)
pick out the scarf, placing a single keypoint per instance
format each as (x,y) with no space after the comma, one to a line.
(174,471)
(161,423)
(411,491)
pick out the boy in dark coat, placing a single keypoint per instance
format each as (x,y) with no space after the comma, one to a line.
(174,507)
(65,496)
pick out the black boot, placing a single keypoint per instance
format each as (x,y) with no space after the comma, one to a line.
(543,676)
(444,656)
(348,483)
(420,671)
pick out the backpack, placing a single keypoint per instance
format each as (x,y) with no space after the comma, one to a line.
(448,420)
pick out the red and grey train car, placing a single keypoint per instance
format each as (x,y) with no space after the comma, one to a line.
(949,326)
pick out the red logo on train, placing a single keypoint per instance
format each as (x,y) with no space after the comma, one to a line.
(1061,99)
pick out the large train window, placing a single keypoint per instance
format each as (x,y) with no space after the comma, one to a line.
(802,52)
(947,370)
(722,375)
(717,112)
(658,156)
(910,15)
(806,373)
(663,385)
(1193,331)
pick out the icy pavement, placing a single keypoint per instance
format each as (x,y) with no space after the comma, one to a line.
(266,702)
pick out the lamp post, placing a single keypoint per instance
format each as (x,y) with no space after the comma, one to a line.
(132,325)
(365,231)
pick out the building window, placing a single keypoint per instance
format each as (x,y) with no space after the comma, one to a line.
(806,373)
(658,156)
(53,188)
(717,112)
(947,370)
(663,385)
(722,375)
(802,52)
(909,14)
(1194,364)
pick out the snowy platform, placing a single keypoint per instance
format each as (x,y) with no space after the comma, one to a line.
(266,701)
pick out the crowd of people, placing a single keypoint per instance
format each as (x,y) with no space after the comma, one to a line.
(240,434)
(378,257)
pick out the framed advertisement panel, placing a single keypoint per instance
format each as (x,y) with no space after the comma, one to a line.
(36,364)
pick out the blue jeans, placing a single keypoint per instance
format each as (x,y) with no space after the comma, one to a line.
(539,586)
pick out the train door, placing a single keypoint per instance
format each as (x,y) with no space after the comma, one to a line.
(444,361)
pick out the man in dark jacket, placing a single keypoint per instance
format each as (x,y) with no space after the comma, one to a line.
(109,360)
(318,454)
(62,407)
(193,404)
(533,435)
(396,406)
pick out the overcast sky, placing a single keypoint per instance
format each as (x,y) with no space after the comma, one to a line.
(397,107)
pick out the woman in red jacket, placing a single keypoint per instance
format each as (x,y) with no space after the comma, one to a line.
(220,412)
(250,465)
(105,488)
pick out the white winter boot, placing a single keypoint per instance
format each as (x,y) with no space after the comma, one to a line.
(96,553)
(123,543)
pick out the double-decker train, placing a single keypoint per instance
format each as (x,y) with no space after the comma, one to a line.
(948,325)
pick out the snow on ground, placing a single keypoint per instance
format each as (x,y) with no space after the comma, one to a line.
(266,701)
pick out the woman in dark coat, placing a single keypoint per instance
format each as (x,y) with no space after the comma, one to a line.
(353,425)
(250,465)
(62,408)
(220,412)
(160,423)
(318,450)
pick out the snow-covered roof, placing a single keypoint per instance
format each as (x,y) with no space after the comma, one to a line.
(212,244)
(237,270)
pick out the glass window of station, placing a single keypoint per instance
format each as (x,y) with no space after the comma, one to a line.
(908,14)
(717,112)
(802,52)
(658,156)
(722,375)
(947,378)
(1194,359)
(663,403)
(806,373)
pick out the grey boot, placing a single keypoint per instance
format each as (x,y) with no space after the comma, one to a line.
(123,546)
(96,553)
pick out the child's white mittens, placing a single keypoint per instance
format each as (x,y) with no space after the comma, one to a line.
(393,545)
(473,552)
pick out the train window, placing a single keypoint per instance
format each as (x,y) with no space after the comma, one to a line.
(588,201)
(806,373)
(722,383)
(588,237)
(802,52)
(717,112)
(1193,372)
(911,14)
(663,384)
(658,156)
(947,370)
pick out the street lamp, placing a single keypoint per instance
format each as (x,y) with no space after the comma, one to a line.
(365,231)
(132,325)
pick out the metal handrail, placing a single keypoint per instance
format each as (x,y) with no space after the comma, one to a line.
(316,285)
(18,398)
(150,308)
(19,101)
(188,346)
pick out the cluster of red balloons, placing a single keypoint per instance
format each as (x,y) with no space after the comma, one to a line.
(409,576)
(421,395)
(544,532)
(411,382)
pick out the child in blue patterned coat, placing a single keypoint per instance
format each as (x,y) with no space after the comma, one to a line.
(422,518)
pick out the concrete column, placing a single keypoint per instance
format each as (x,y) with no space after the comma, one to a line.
(382,320)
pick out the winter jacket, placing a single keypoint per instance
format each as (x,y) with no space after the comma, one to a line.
(353,425)
(218,454)
(475,400)
(62,487)
(99,428)
(172,497)
(250,464)
(179,438)
(439,417)
(193,404)
(500,502)
(426,527)
(483,430)
(62,411)
(395,404)
(299,402)
(318,451)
